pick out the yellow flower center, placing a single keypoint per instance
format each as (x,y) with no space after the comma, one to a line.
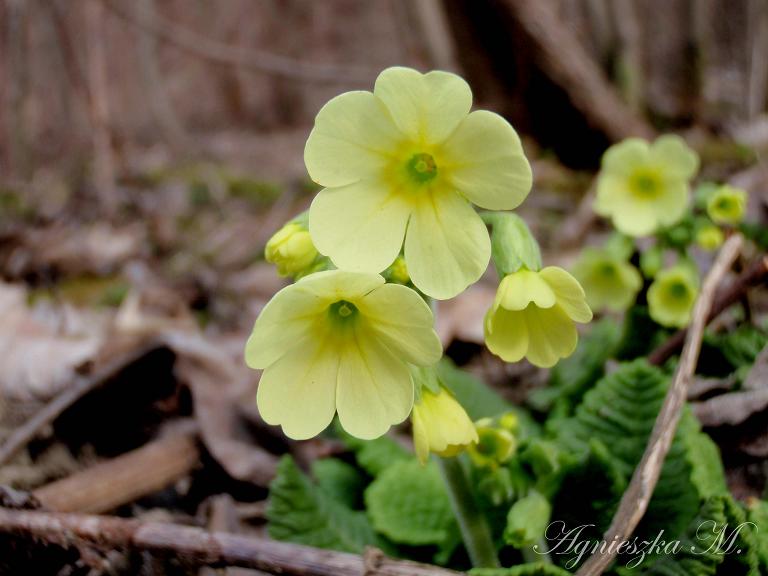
(607,270)
(645,184)
(422,168)
(342,311)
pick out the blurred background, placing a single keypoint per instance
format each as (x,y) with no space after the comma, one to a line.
(150,148)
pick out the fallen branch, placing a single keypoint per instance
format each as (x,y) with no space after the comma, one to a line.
(755,274)
(247,58)
(124,479)
(635,500)
(48,413)
(196,546)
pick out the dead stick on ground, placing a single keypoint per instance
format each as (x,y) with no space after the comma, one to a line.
(124,479)
(755,274)
(195,545)
(635,500)
(48,413)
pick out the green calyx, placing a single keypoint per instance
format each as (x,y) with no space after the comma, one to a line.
(422,168)
(512,244)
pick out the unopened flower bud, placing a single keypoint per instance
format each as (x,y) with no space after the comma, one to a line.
(291,250)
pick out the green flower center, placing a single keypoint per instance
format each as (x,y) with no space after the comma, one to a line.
(342,311)
(724,204)
(422,168)
(607,270)
(678,291)
(645,184)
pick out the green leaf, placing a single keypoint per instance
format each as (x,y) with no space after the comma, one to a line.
(374,456)
(620,412)
(703,552)
(302,512)
(408,504)
(757,513)
(339,480)
(572,377)
(527,520)
(532,569)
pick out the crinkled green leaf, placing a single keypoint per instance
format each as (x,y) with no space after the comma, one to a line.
(620,412)
(703,553)
(572,377)
(739,347)
(375,456)
(302,512)
(408,504)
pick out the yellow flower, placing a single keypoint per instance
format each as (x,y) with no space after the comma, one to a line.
(727,205)
(533,315)
(340,341)
(440,425)
(672,295)
(609,282)
(405,163)
(709,237)
(291,250)
(643,187)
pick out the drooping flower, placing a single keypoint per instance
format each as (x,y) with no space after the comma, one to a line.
(291,250)
(642,186)
(405,163)
(440,425)
(672,295)
(609,282)
(727,205)
(533,316)
(709,237)
(340,341)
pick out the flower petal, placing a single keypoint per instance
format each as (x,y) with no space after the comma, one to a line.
(506,334)
(353,138)
(447,247)
(360,226)
(570,295)
(375,390)
(671,152)
(403,322)
(671,205)
(552,336)
(286,319)
(298,392)
(624,157)
(484,160)
(426,107)
(521,288)
(332,285)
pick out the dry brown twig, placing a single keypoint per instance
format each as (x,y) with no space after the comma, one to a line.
(197,546)
(635,500)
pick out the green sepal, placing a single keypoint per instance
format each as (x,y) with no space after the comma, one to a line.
(527,520)
(512,244)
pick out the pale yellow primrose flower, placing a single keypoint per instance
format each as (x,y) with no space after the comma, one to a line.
(533,315)
(407,162)
(727,205)
(291,250)
(440,425)
(609,282)
(643,187)
(340,341)
(672,295)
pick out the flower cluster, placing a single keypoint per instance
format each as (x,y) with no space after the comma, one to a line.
(402,169)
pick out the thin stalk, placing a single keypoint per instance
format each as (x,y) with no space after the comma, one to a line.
(474,528)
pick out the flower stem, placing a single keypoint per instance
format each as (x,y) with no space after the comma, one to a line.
(474,528)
